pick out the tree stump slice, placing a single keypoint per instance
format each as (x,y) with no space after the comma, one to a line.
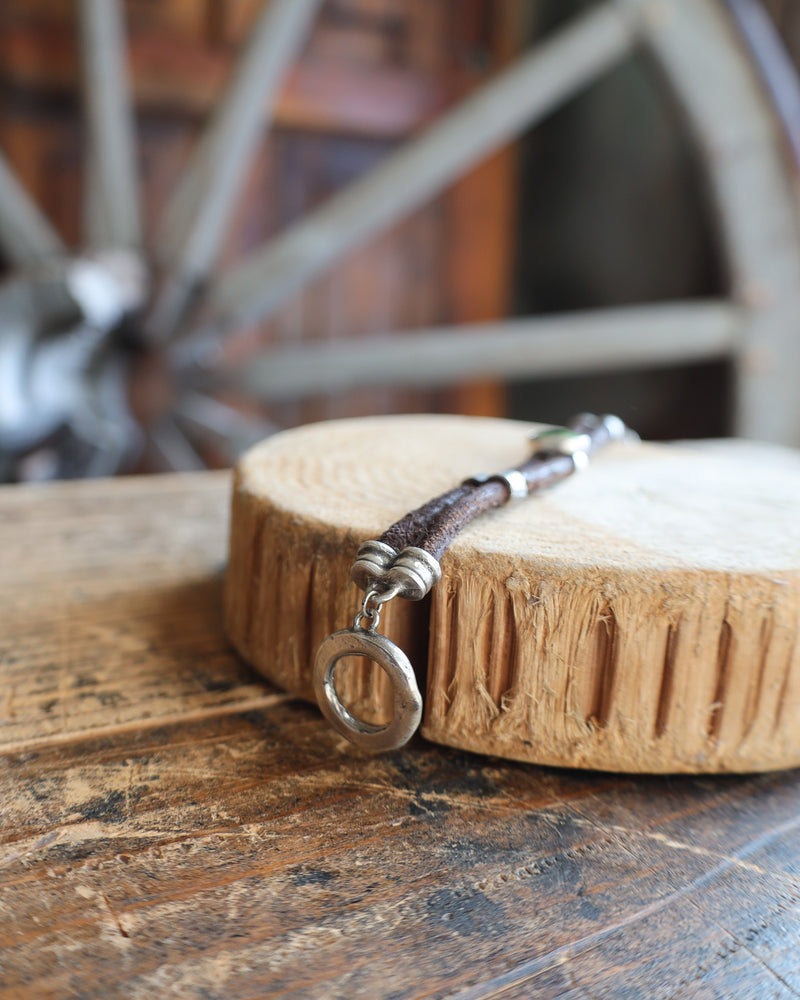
(642,616)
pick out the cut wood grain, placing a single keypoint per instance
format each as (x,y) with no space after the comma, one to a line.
(163,833)
(643,617)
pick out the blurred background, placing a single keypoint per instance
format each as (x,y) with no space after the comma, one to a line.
(659,183)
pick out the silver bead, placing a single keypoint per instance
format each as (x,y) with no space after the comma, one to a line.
(413,573)
(372,562)
(616,428)
(589,420)
(516,482)
(580,461)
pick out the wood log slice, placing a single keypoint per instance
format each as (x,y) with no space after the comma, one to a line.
(641,616)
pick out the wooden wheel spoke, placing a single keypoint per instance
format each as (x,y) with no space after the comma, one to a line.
(574,343)
(173,447)
(198,214)
(113,216)
(774,63)
(518,97)
(25,234)
(221,421)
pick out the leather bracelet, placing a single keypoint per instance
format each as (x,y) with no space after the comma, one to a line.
(404,562)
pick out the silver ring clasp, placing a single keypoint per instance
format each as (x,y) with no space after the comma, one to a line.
(406,700)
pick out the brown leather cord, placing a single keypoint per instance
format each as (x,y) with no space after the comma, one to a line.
(494,493)
(394,566)
(409,530)
(434,525)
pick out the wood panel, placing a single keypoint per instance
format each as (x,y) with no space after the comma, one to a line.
(172,826)
(481,205)
(362,70)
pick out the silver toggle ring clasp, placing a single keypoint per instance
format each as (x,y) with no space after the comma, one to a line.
(406,700)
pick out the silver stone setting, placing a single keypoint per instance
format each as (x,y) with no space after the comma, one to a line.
(560,441)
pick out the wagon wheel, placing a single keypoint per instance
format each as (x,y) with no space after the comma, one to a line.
(184,312)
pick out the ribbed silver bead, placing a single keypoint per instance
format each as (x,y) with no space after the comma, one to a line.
(615,426)
(372,563)
(413,573)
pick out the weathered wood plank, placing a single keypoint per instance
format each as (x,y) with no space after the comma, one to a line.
(65,633)
(190,845)
(306,868)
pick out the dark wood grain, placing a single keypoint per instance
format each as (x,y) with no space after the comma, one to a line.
(171,826)
(181,53)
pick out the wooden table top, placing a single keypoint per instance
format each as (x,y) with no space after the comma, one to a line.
(172,826)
